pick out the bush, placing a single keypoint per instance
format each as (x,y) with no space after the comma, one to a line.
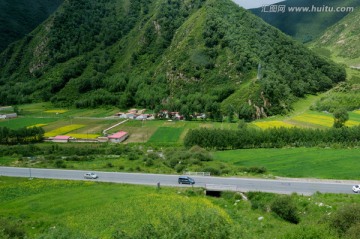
(285,208)
(308,232)
(345,218)
(260,200)
(256,170)
(213,171)
(9,229)
(60,163)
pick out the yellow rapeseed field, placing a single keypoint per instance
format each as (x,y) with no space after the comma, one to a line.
(84,136)
(323,120)
(272,124)
(56,111)
(36,125)
(63,130)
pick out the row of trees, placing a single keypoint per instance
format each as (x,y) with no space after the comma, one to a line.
(21,136)
(270,138)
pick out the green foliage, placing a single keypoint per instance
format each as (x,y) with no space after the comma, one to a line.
(285,207)
(346,219)
(309,232)
(344,95)
(21,136)
(305,26)
(260,201)
(346,32)
(20,17)
(269,138)
(11,229)
(340,117)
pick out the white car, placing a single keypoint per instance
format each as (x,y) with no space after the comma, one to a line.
(356,188)
(90,176)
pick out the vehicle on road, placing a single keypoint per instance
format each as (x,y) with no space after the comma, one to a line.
(186,180)
(90,176)
(356,188)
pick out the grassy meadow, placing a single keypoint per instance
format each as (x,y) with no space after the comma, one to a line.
(42,208)
(325,163)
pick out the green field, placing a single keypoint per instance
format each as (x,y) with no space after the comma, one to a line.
(166,134)
(298,162)
(25,122)
(42,208)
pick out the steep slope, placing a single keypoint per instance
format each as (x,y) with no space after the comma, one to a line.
(302,25)
(189,56)
(19,17)
(342,40)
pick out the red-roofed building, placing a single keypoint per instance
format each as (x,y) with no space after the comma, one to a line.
(61,139)
(118,137)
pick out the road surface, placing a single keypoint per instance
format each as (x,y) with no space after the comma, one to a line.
(287,186)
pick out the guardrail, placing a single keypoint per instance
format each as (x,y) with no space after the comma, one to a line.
(217,187)
(197,173)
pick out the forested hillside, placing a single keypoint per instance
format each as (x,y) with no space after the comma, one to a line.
(342,39)
(19,17)
(305,26)
(188,56)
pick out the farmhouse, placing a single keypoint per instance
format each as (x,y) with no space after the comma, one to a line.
(8,116)
(118,137)
(61,139)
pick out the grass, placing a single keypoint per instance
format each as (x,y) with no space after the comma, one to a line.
(48,204)
(166,134)
(84,209)
(298,162)
(25,122)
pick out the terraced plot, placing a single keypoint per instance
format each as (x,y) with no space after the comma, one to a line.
(321,120)
(63,130)
(272,124)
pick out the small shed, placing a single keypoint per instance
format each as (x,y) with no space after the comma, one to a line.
(61,139)
(118,137)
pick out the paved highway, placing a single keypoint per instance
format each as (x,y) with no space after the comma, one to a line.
(305,187)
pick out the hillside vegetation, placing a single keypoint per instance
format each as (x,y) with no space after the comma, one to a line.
(42,209)
(341,41)
(188,56)
(20,17)
(305,26)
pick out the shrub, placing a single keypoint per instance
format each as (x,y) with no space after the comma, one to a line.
(285,208)
(345,218)
(256,170)
(213,171)
(11,230)
(109,165)
(308,232)
(260,200)
(60,163)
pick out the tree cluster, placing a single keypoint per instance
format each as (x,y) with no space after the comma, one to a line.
(21,136)
(271,138)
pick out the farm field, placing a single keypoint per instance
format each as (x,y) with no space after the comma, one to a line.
(42,208)
(323,163)
(57,121)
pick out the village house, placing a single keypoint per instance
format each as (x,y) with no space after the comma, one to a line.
(118,137)
(60,139)
(8,116)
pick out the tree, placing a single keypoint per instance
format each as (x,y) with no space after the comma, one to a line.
(340,117)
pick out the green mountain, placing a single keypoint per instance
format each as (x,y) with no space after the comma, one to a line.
(342,40)
(305,25)
(19,17)
(188,56)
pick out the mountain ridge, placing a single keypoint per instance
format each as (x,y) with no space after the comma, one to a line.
(185,56)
